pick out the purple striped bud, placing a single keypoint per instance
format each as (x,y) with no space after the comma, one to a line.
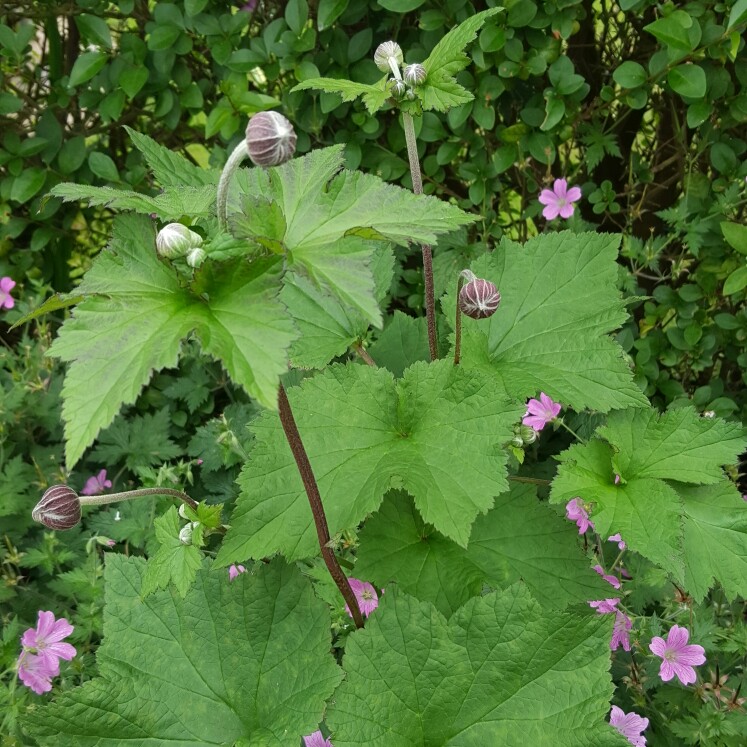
(59,508)
(479,299)
(270,139)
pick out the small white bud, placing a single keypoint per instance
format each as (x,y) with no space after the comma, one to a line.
(397,88)
(185,533)
(414,75)
(175,240)
(385,52)
(196,256)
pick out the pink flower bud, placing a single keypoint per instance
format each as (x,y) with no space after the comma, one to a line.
(59,508)
(479,299)
(270,139)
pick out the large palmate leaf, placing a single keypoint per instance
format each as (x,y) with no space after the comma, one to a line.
(559,301)
(135,314)
(519,538)
(243,663)
(334,218)
(653,455)
(436,433)
(441,90)
(499,672)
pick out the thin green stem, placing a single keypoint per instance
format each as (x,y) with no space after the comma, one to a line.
(240,152)
(417,187)
(102,500)
(303,464)
(571,431)
(469,276)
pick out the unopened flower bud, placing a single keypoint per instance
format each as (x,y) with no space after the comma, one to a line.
(397,88)
(59,508)
(414,75)
(385,52)
(175,240)
(528,435)
(196,256)
(185,533)
(479,299)
(410,95)
(270,139)
(517,441)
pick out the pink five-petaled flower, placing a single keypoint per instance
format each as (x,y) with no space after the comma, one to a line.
(575,511)
(677,657)
(366,595)
(559,200)
(630,725)
(605,606)
(620,631)
(36,672)
(620,541)
(614,580)
(42,650)
(6,286)
(316,740)
(540,412)
(96,484)
(234,571)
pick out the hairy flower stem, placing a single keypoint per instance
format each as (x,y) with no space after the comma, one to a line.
(417,188)
(364,356)
(315,500)
(240,152)
(101,500)
(469,277)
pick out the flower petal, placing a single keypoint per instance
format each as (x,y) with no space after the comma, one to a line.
(657,646)
(573,194)
(560,187)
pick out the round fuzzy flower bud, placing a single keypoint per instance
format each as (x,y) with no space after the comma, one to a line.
(479,299)
(397,88)
(59,508)
(175,240)
(414,75)
(388,51)
(196,256)
(185,533)
(528,435)
(270,139)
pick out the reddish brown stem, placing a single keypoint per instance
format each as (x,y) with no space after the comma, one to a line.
(315,500)
(364,356)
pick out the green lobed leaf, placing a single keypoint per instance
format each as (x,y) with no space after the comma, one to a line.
(203,670)
(53,303)
(440,90)
(519,538)
(559,301)
(365,434)
(174,562)
(500,672)
(403,342)
(374,96)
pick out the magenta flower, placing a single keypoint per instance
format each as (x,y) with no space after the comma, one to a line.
(36,672)
(234,571)
(614,580)
(96,484)
(605,606)
(575,511)
(6,286)
(317,739)
(620,631)
(617,479)
(677,657)
(559,200)
(540,412)
(630,725)
(617,538)
(366,595)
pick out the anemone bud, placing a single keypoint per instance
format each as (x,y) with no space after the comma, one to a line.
(479,299)
(59,508)
(196,256)
(385,52)
(175,240)
(397,88)
(414,75)
(270,139)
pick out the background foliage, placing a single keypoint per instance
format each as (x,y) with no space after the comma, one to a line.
(643,104)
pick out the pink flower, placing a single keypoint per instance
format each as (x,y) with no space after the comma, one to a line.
(234,571)
(620,636)
(559,200)
(677,658)
(36,672)
(96,484)
(366,595)
(575,511)
(620,541)
(317,739)
(605,606)
(617,479)
(630,725)
(46,638)
(6,286)
(540,412)
(614,580)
